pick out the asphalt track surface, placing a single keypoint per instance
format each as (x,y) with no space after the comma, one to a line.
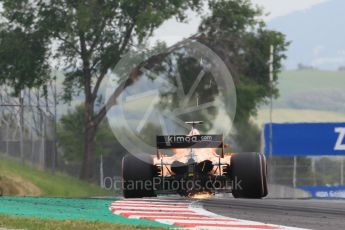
(310,214)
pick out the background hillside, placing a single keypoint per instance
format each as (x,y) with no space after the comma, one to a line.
(307,96)
(316,34)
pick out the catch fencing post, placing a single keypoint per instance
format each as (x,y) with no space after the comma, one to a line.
(271,111)
(342,170)
(7,138)
(101,173)
(21,101)
(294,171)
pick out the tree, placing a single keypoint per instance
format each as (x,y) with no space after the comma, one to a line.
(23,56)
(70,132)
(90,36)
(234,31)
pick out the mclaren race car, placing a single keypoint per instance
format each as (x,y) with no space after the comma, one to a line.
(198,165)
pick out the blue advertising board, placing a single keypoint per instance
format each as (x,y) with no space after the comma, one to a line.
(305,139)
(323,192)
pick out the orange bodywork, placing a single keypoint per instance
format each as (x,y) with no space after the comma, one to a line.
(200,155)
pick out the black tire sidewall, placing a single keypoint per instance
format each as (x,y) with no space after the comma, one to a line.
(137,174)
(248,175)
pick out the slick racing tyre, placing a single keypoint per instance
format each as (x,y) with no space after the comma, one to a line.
(137,176)
(248,172)
(264,174)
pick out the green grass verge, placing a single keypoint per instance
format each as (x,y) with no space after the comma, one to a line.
(68,209)
(37,224)
(49,184)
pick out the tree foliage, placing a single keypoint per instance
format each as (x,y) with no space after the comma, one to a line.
(88,38)
(23,58)
(71,130)
(236,33)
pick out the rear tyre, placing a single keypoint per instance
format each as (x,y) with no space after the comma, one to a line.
(137,175)
(248,172)
(264,173)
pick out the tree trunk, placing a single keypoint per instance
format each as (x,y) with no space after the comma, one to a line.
(90,128)
(89,141)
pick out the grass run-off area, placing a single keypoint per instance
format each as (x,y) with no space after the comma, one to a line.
(37,224)
(23,180)
(35,199)
(64,213)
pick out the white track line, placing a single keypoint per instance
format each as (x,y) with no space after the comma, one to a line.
(131,208)
(151,203)
(154,205)
(141,212)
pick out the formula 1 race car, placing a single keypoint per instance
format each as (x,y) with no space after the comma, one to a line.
(194,168)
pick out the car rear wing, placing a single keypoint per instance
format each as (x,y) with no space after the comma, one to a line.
(195,141)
